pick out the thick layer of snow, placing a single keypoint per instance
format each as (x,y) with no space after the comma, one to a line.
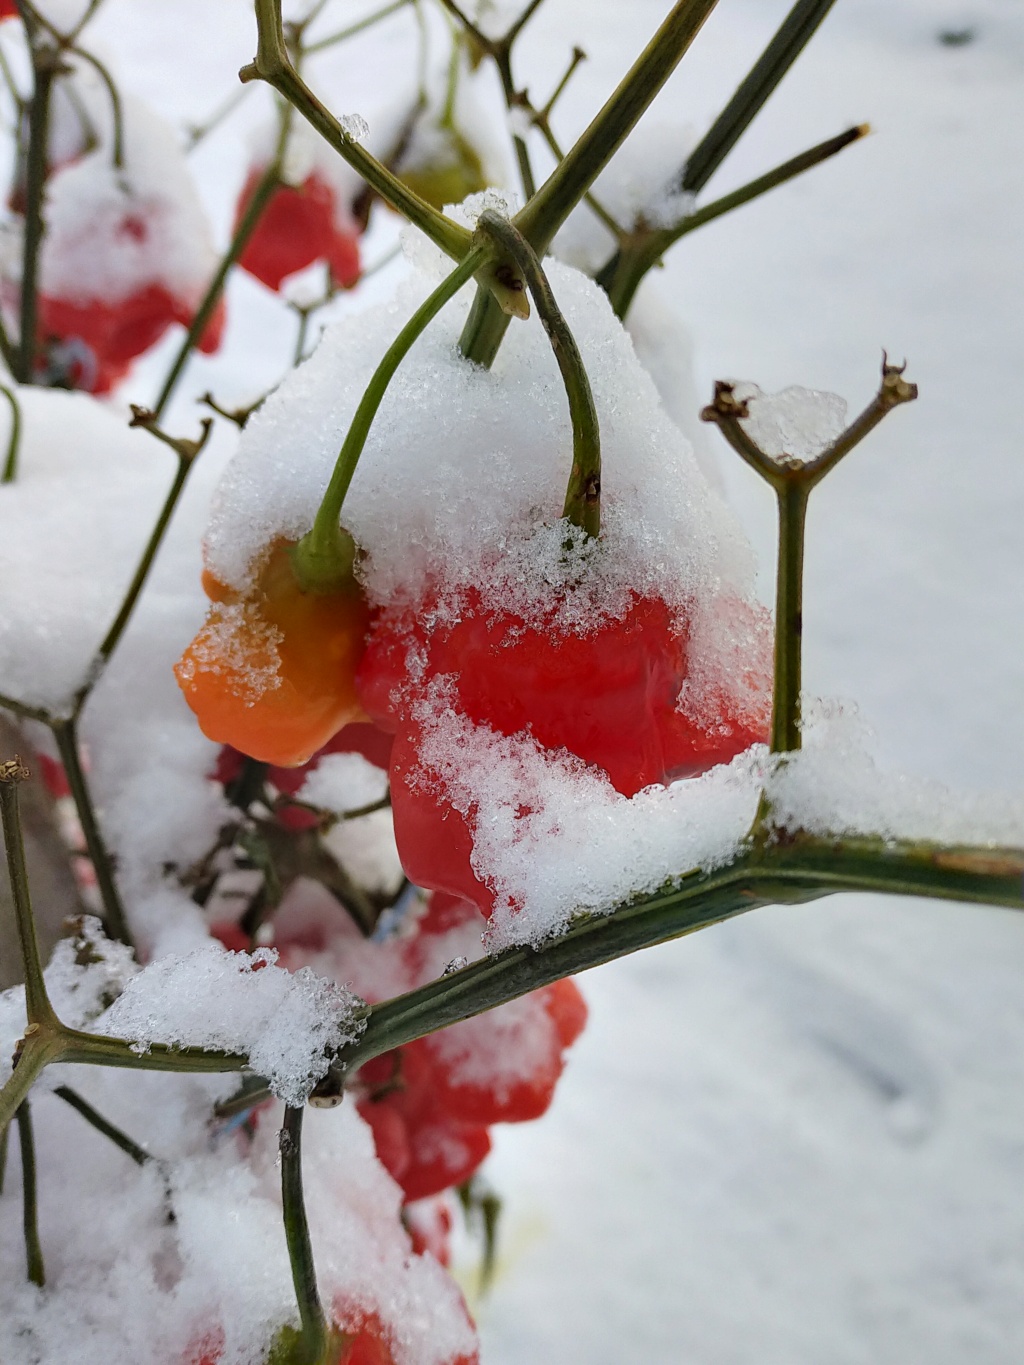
(289,1024)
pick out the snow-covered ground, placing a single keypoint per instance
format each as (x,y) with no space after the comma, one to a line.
(795,1138)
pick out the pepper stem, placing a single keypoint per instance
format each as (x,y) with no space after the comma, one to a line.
(30,1217)
(296,1229)
(583,495)
(324,556)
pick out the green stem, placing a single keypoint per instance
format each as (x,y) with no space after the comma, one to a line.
(621,275)
(45,60)
(296,1229)
(20,708)
(37,1051)
(273,65)
(114,920)
(350,32)
(30,1219)
(323,554)
(37,1002)
(268,183)
(792,478)
(116,112)
(583,495)
(120,623)
(554,201)
(562,191)
(801,868)
(796,31)
(109,1130)
(503,63)
(11,462)
(792,505)
(5,1134)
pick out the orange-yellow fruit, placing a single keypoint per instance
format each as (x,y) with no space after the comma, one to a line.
(272,673)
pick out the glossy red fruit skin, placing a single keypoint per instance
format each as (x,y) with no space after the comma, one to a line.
(609,697)
(297,227)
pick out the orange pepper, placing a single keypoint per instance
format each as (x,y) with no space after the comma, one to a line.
(272,672)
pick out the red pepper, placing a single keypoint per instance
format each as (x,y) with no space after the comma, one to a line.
(299,225)
(610,696)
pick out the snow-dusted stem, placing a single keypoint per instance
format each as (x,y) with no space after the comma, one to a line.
(45,63)
(300,1251)
(583,494)
(273,65)
(792,480)
(548,209)
(37,1003)
(30,1220)
(803,867)
(323,557)
(114,921)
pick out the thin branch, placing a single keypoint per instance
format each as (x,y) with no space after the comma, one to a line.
(109,1130)
(554,201)
(792,480)
(320,44)
(621,274)
(46,61)
(583,495)
(114,919)
(796,31)
(30,1213)
(37,1002)
(296,1228)
(273,65)
(14,440)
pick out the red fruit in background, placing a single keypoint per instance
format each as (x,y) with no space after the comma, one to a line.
(300,224)
(90,343)
(564,1002)
(427,1150)
(429,1225)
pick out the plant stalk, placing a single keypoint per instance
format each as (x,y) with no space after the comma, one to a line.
(273,65)
(323,557)
(115,923)
(622,273)
(45,62)
(30,1209)
(583,496)
(37,1003)
(296,1228)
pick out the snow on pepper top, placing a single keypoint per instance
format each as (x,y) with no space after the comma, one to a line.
(114,230)
(462,479)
